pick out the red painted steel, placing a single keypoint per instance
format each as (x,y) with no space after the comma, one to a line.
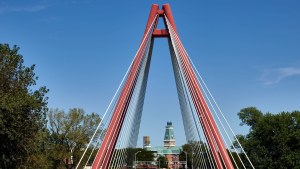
(211,132)
(199,108)
(153,12)
(202,108)
(168,13)
(209,124)
(203,120)
(160,13)
(160,33)
(105,152)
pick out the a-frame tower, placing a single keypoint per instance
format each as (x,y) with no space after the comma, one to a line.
(189,92)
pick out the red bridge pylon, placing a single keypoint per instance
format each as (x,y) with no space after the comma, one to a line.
(136,81)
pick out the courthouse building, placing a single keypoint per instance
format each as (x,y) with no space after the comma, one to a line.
(169,150)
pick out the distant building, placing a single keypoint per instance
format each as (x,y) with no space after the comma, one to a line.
(169,139)
(146,142)
(169,150)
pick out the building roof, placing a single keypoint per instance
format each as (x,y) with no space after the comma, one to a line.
(164,150)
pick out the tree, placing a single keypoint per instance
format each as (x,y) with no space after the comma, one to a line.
(273,140)
(250,116)
(189,150)
(143,155)
(162,161)
(40,156)
(22,108)
(70,133)
(196,154)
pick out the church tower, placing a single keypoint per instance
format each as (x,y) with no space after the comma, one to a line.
(169,140)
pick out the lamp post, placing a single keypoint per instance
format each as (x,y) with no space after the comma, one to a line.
(159,164)
(177,163)
(135,158)
(185,159)
(192,158)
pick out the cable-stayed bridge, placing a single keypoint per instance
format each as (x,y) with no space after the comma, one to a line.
(203,120)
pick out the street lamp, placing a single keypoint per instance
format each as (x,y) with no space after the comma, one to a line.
(185,159)
(177,163)
(159,164)
(135,158)
(192,158)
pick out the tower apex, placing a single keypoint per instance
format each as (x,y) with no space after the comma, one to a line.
(169,139)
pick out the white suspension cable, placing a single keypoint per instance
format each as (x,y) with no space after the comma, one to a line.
(172,39)
(213,128)
(222,127)
(217,107)
(124,131)
(179,77)
(113,133)
(222,114)
(143,41)
(176,53)
(104,114)
(98,140)
(135,107)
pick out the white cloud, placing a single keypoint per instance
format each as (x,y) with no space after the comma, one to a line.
(34,8)
(274,76)
(4,8)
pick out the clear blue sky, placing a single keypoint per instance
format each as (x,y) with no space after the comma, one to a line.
(247,51)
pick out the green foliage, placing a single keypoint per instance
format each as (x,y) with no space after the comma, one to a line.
(236,158)
(130,156)
(22,109)
(189,150)
(163,161)
(250,116)
(40,156)
(274,139)
(70,133)
(193,150)
(144,155)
